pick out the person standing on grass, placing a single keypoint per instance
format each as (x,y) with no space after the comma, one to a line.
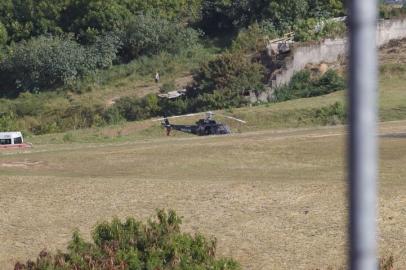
(157,77)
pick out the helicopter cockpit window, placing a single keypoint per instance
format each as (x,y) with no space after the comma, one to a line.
(18,140)
(5,141)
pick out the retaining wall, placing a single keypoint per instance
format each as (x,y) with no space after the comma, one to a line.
(329,51)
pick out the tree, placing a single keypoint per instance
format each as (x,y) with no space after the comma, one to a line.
(27,18)
(45,63)
(230,73)
(88,19)
(3,35)
(148,35)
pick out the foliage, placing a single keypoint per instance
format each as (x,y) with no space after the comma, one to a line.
(24,19)
(88,19)
(7,121)
(219,16)
(130,108)
(312,29)
(389,12)
(158,244)
(331,115)
(230,73)
(173,10)
(253,38)
(217,100)
(42,63)
(149,35)
(167,87)
(3,35)
(174,107)
(50,62)
(52,112)
(302,85)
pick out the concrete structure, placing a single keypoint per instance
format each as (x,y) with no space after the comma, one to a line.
(327,51)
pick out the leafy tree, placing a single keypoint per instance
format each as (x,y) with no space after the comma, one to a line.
(173,10)
(148,35)
(88,19)
(27,18)
(3,35)
(49,62)
(224,15)
(230,72)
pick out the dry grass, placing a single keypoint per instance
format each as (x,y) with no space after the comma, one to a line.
(274,199)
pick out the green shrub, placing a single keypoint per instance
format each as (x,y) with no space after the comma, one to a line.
(174,107)
(388,12)
(168,87)
(24,19)
(313,29)
(68,137)
(302,85)
(333,29)
(7,122)
(215,101)
(150,35)
(3,36)
(253,38)
(131,108)
(331,115)
(112,116)
(230,73)
(49,62)
(89,19)
(158,244)
(42,63)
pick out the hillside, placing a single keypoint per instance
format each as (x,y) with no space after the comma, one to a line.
(307,112)
(79,64)
(77,78)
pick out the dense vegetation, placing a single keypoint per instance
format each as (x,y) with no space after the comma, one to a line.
(303,85)
(107,32)
(49,50)
(132,245)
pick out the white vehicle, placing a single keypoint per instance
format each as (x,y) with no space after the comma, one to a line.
(11,140)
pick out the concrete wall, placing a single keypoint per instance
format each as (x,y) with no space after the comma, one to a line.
(390,30)
(329,51)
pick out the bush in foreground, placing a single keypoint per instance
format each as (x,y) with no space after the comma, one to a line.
(132,245)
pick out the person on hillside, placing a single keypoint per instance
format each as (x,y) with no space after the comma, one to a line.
(157,77)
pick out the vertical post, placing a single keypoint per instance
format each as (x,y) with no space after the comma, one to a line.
(363,134)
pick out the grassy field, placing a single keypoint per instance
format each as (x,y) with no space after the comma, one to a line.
(274,199)
(291,114)
(273,193)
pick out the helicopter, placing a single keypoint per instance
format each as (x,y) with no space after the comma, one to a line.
(203,127)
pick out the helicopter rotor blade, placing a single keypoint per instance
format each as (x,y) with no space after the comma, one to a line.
(233,118)
(177,116)
(202,113)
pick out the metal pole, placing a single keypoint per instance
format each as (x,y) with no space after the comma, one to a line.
(363,134)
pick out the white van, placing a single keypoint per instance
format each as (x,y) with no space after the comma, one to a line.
(11,138)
